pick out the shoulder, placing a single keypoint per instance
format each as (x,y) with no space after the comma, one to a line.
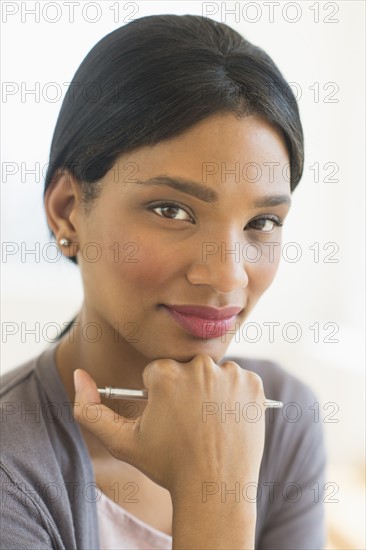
(33,381)
(35,408)
(35,414)
(21,400)
(20,394)
(18,380)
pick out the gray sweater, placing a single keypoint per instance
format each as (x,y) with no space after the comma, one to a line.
(49,492)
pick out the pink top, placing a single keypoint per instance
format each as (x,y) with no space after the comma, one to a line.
(121,530)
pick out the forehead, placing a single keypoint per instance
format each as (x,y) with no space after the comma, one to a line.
(226,137)
(218,150)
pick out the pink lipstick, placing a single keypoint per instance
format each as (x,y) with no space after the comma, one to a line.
(203,321)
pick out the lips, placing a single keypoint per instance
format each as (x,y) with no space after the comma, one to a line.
(207,312)
(203,321)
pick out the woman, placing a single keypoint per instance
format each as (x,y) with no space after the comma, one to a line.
(172,165)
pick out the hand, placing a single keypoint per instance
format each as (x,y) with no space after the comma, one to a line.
(170,442)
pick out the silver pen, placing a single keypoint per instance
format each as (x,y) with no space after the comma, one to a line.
(124,393)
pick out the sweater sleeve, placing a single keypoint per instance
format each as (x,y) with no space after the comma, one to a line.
(45,467)
(23,526)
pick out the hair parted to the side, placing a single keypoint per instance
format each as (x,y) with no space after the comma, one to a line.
(155,77)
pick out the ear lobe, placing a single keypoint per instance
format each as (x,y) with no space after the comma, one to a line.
(60,202)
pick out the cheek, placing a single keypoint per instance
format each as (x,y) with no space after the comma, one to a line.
(121,261)
(133,257)
(262,272)
(142,265)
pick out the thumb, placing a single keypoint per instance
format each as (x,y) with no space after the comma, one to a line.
(117,433)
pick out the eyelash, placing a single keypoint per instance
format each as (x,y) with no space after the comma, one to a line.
(275,219)
(171,204)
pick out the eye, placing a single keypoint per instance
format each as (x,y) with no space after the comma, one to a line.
(171,211)
(266,224)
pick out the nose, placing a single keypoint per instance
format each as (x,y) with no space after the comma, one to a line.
(221,266)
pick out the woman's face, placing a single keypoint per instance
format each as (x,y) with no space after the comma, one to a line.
(203,240)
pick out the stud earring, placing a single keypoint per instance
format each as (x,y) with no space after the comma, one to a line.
(64,242)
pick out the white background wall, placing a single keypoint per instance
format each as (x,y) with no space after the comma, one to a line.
(317,46)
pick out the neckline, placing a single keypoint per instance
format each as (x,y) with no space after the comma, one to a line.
(140,523)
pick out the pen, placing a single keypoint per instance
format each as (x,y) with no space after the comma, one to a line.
(124,393)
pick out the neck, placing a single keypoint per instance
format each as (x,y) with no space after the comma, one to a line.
(110,360)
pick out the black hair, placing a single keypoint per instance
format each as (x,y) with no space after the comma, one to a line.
(155,77)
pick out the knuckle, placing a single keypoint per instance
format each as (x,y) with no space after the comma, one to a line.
(233,369)
(255,380)
(160,371)
(231,365)
(203,360)
(164,363)
(157,367)
(167,369)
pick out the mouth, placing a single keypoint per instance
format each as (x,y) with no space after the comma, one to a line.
(191,319)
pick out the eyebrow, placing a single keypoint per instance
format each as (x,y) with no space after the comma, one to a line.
(205,193)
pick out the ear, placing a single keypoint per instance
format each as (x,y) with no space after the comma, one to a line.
(62,202)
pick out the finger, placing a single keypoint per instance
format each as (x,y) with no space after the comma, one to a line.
(152,370)
(117,433)
(147,375)
(157,369)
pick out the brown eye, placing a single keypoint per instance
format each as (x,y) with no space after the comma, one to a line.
(266,224)
(171,211)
